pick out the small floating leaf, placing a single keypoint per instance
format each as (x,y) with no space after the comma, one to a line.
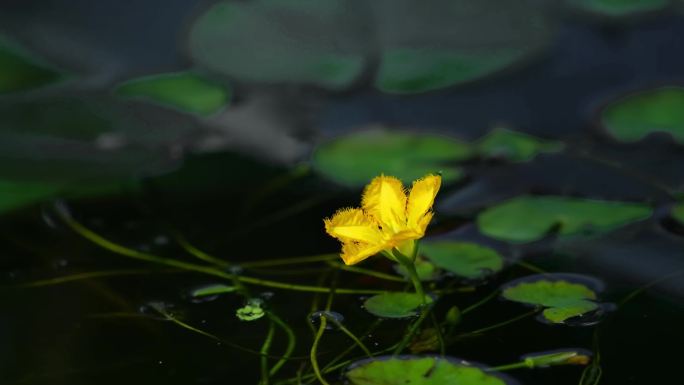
(213,290)
(465,259)
(416,370)
(394,305)
(562,299)
(514,146)
(678,213)
(620,8)
(411,70)
(657,110)
(251,311)
(19,71)
(355,159)
(529,218)
(183,90)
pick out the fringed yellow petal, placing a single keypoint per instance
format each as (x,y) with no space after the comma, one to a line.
(353,225)
(384,199)
(420,201)
(355,252)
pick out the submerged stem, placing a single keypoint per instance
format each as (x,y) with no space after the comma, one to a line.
(122,250)
(265,348)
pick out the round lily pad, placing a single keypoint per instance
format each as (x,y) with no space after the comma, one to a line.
(20,71)
(657,110)
(394,305)
(514,146)
(562,296)
(419,370)
(185,91)
(465,259)
(620,8)
(678,212)
(529,218)
(355,159)
(280,41)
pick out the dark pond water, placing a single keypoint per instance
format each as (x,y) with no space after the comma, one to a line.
(150,150)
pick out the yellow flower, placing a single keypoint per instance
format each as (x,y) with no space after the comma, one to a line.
(387,220)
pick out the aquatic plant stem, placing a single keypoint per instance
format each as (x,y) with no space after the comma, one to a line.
(93,274)
(265,347)
(291,343)
(501,368)
(319,334)
(411,331)
(118,249)
(314,348)
(497,325)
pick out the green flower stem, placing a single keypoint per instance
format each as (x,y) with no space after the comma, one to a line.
(265,348)
(342,354)
(118,249)
(410,266)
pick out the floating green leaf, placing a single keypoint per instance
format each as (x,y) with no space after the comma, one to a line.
(251,311)
(19,71)
(514,146)
(183,90)
(465,259)
(279,42)
(620,8)
(405,70)
(562,299)
(394,305)
(416,370)
(529,218)
(678,212)
(355,159)
(635,116)
(212,290)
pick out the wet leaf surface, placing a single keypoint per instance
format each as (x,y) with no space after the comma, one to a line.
(355,159)
(394,305)
(464,259)
(562,299)
(183,90)
(635,116)
(416,370)
(514,146)
(530,218)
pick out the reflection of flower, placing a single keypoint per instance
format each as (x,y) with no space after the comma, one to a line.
(388,219)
